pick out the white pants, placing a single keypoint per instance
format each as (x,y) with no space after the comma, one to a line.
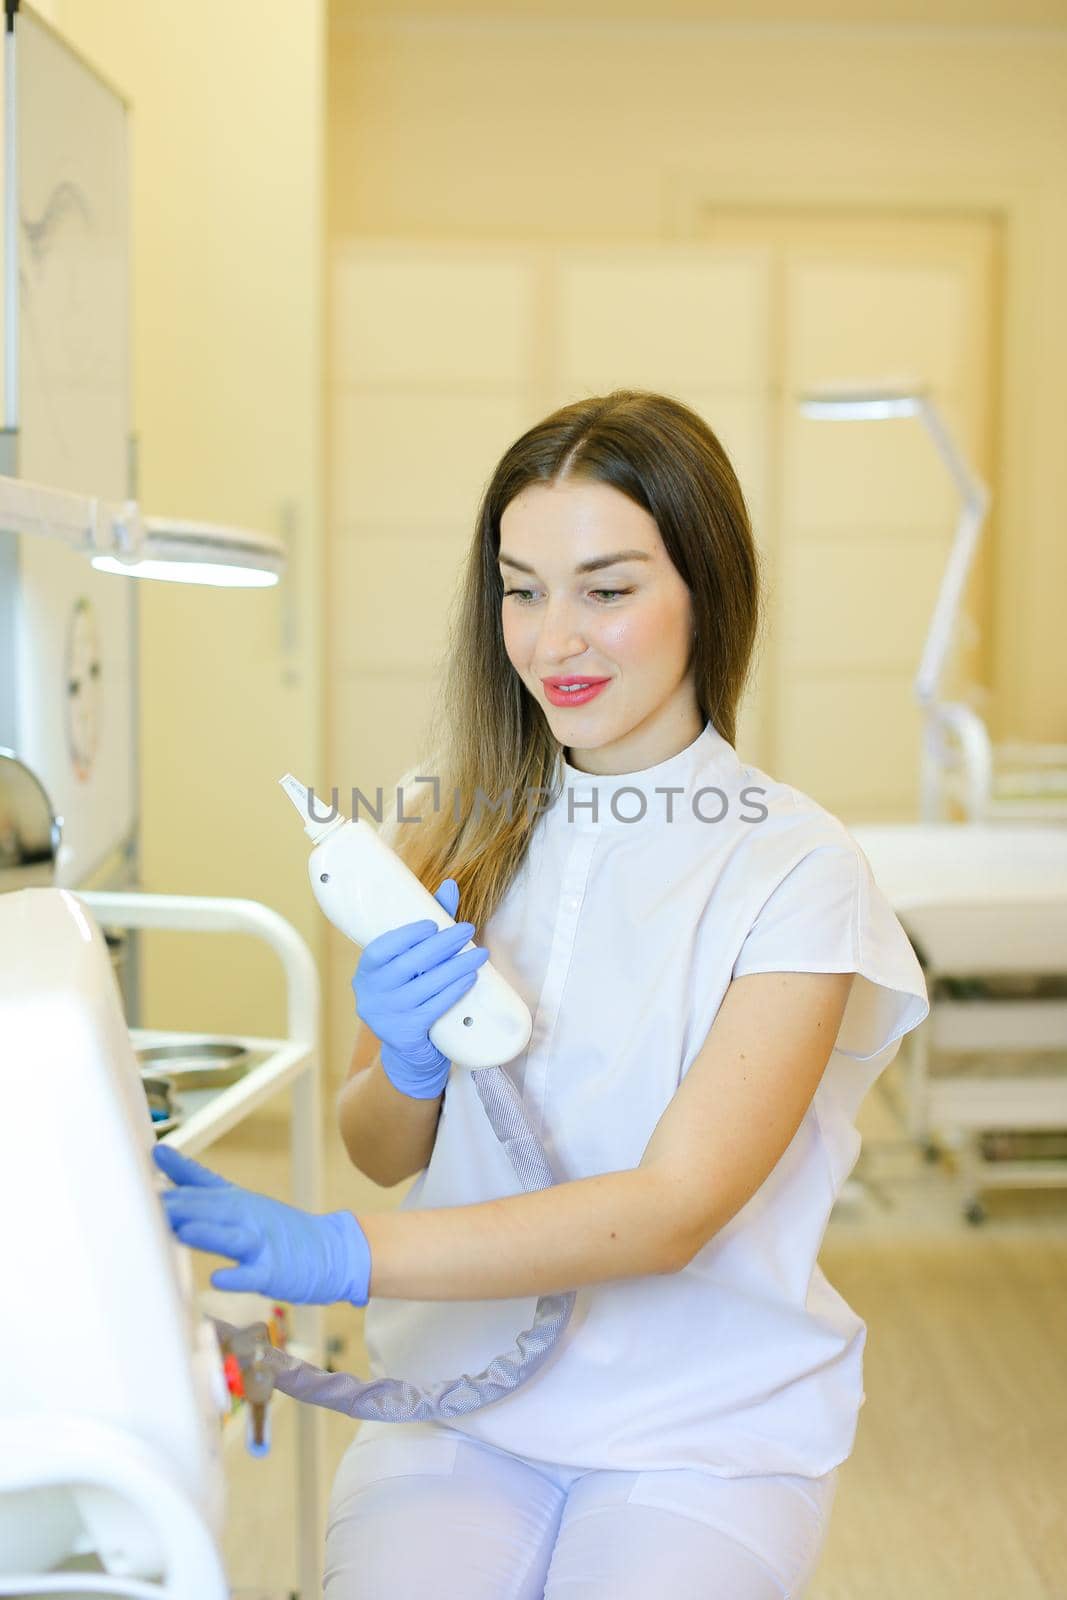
(420,1509)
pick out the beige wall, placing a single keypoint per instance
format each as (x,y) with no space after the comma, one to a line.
(536,130)
(527,129)
(442,351)
(227,164)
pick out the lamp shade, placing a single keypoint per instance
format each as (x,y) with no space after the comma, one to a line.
(116,538)
(861,403)
(201,552)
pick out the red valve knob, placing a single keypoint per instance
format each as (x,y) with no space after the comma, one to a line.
(232,1371)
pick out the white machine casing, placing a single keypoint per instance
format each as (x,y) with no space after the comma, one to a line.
(109,1378)
(365,890)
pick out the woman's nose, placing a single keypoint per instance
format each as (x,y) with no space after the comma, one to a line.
(560,633)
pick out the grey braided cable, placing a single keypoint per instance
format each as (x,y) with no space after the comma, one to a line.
(397,1400)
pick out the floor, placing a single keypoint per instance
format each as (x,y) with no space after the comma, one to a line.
(957,1487)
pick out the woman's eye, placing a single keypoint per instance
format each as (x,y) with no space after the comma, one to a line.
(612,594)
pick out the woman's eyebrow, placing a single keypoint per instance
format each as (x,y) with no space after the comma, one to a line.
(583,566)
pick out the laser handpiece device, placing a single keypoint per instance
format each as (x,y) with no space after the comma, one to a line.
(365,890)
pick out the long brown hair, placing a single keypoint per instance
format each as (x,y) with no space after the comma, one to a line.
(487,731)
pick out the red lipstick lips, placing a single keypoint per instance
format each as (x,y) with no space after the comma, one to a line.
(558,695)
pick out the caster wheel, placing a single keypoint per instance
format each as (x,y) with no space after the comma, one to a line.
(975,1212)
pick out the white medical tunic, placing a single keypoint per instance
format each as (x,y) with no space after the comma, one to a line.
(641,897)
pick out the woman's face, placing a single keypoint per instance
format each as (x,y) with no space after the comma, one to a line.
(628,622)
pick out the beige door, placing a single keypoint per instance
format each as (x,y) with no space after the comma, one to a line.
(430,373)
(863,512)
(695,323)
(442,353)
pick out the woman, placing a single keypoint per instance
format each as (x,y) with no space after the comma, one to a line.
(715,982)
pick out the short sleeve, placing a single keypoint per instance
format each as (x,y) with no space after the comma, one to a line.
(827,914)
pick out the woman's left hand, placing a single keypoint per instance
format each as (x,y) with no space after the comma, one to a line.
(281,1251)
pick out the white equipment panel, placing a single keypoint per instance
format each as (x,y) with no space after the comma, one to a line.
(68,633)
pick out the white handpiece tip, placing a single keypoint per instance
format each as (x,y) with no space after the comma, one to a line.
(314,826)
(296,791)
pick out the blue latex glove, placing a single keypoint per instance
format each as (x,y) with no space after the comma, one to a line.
(406,979)
(281,1251)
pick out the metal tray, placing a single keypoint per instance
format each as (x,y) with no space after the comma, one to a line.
(210,1064)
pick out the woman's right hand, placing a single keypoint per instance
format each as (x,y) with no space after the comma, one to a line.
(408,978)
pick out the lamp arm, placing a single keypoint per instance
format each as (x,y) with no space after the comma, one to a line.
(82,522)
(975,496)
(117,531)
(953,721)
(970,486)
